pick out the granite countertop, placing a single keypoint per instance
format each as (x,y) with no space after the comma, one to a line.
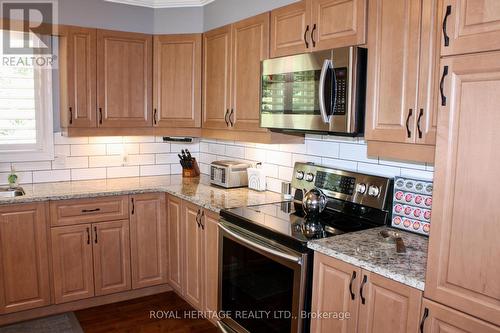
(196,190)
(367,250)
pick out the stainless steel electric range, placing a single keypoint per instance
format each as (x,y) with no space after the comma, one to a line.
(265,267)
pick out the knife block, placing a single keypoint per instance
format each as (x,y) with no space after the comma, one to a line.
(192,172)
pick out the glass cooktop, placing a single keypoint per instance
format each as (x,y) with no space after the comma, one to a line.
(286,220)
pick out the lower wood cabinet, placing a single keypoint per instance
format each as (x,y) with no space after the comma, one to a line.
(437,318)
(174,215)
(192,240)
(193,243)
(90,260)
(375,303)
(148,240)
(24,264)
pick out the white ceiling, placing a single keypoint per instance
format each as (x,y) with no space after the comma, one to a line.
(164,3)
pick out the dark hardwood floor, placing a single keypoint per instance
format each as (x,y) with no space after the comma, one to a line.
(134,316)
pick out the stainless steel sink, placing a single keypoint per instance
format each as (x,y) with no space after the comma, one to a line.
(7,192)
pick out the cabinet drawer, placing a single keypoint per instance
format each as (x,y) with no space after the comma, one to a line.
(68,212)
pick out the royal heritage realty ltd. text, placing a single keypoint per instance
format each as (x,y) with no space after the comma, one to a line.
(259,314)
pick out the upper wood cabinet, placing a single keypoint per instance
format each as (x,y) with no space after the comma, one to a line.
(313,25)
(250,46)
(24,264)
(232,61)
(469,26)
(437,318)
(124,79)
(463,266)
(78,77)
(175,245)
(376,304)
(335,289)
(217,78)
(402,79)
(148,238)
(177,81)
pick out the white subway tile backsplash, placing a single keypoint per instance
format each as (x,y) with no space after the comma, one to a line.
(138,139)
(235,151)
(155,170)
(279,158)
(32,166)
(416,165)
(322,148)
(192,147)
(140,159)
(88,174)
(294,148)
(355,152)
(88,150)
(123,149)
(106,139)
(273,184)
(5,167)
(270,170)
(122,172)
(254,154)
(176,169)
(23,177)
(217,149)
(417,174)
(62,150)
(305,159)
(51,176)
(67,162)
(153,148)
(105,161)
(167,158)
(340,164)
(285,173)
(378,170)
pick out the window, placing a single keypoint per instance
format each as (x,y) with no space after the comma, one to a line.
(25,110)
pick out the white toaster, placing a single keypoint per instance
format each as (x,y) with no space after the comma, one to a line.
(229,174)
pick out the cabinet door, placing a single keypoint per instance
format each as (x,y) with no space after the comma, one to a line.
(338,23)
(24,266)
(388,306)
(192,238)
(148,233)
(72,263)
(428,81)
(177,81)
(290,30)
(470,25)
(217,78)
(210,261)
(80,81)
(335,289)
(463,265)
(175,245)
(250,47)
(124,79)
(393,41)
(111,251)
(437,318)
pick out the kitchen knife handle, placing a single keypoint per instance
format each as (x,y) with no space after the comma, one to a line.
(353,277)
(363,300)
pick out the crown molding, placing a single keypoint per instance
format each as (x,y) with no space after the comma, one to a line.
(163,3)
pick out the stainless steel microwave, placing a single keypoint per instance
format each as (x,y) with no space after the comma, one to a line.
(322,92)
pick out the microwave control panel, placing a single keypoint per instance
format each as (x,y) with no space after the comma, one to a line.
(341,91)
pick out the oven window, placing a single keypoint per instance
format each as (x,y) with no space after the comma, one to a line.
(291,93)
(253,282)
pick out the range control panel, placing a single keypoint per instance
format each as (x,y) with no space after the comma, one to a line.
(367,190)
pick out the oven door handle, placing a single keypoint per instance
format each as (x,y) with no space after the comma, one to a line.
(326,114)
(264,248)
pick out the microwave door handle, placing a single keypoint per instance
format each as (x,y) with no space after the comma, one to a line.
(325,114)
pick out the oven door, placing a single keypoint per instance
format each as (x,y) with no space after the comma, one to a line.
(261,283)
